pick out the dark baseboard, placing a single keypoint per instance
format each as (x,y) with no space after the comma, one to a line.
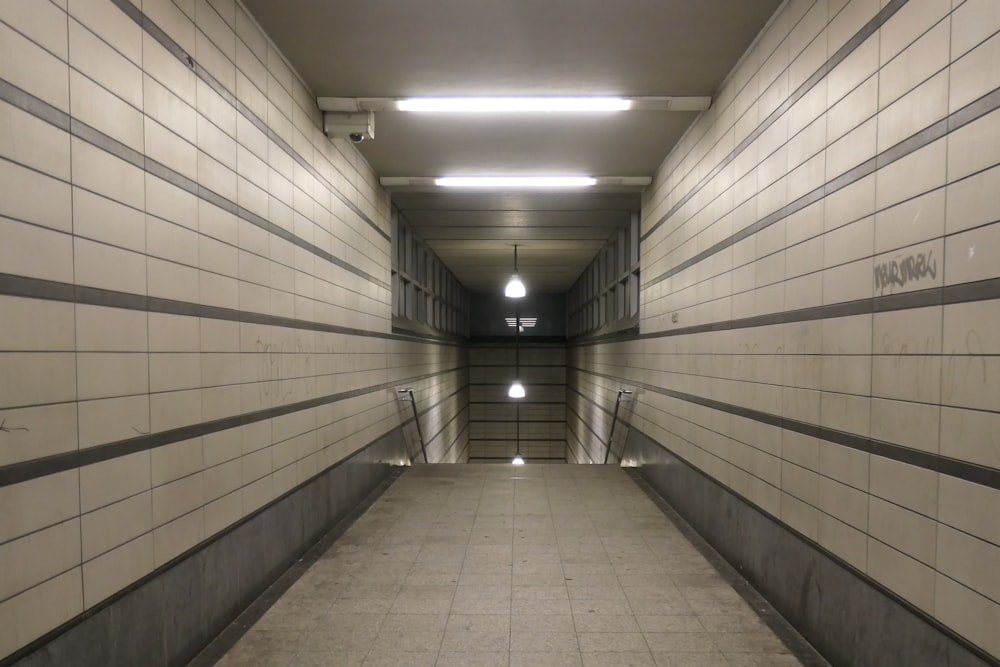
(850,619)
(166,618)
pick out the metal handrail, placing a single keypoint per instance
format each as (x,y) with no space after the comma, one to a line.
(416,420)
(614,420)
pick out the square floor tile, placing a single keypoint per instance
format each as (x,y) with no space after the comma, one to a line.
(603,642)
(530,641)
(462,565)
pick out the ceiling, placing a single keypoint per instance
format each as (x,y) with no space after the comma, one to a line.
(419,48)
(557,233)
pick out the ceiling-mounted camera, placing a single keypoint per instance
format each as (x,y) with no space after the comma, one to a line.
(356,125)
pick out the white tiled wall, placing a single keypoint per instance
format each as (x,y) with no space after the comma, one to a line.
(925,377)
(109,214)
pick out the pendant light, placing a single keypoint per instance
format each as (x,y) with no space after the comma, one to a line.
(516,389)
(515,288)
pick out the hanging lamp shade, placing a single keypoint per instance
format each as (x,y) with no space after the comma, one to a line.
(515,288)
(517,460)
(516,390)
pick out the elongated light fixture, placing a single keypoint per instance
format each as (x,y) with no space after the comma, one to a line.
(516,388)
(515,181)
(502,105)
(515,288)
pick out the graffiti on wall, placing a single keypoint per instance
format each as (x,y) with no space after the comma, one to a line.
(903,270)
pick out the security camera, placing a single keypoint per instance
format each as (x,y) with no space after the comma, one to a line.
(354,126)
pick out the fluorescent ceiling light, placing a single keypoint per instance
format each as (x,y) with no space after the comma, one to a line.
(526,322)
(520,104)
(514,104)
(515,181)
(512,181)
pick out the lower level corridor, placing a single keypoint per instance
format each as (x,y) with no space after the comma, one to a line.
(545,565)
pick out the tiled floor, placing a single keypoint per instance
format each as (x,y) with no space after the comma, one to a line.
(547,565)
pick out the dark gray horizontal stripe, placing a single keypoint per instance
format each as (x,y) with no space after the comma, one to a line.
(175,49)
(430,440)
(621,334)
(459,439)
(970,472)
(521,365)
(587,423)
(707,550)
(36,107)
(520,421)
(154,31)
(440,337)
(428,410)
(981,290)
(528,459)
(526,341)
(37,288)
(28,470)
(974,110)
(455,417)
(616,283)
(499,383)
(77,128)
(576,446)
(28,649)
(842,53)
(457,410)
(523,401)
(573,455)
(526,382)
(523,438)
(575,443)
(597,406)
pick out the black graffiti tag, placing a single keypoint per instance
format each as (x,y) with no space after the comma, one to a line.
(901,271)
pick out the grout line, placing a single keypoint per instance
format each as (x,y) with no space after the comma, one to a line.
(32,469)
(225,640)
(965,470)
(178,52)
(941,128)
(76,364)
(871,366)
(855,41)
(148,314)
(946,295)
(40,288)
(130,588)
(106,243)
(823,550)
(941,333)
(784,631)
(80,130)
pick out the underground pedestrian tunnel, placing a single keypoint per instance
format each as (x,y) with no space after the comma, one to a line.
(263,384)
